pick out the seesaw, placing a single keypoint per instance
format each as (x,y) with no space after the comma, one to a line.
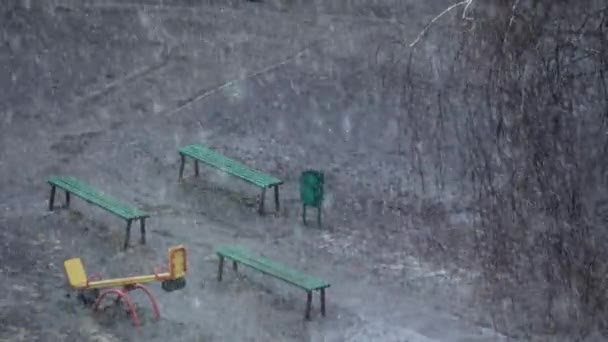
(88,287)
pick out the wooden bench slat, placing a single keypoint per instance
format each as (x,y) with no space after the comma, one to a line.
(229,165)
(88,193)
(272,268)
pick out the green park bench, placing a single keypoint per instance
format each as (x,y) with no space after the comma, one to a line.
(273,269)
(232,167)
(72,185)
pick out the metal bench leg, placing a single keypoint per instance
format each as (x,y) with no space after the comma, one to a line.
(323,302)
(220,268)
(52,198)
(128,234)
(196,168)
(181,166)
(67,199)
(235,266)
(276,198)
(142,228)
(308,304)
(261,210)
(304,213)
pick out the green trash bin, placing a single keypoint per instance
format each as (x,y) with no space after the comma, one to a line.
(311,192)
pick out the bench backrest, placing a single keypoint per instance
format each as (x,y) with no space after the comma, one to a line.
(74,270)
(177,262)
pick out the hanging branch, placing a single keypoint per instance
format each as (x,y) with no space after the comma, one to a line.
(465,3)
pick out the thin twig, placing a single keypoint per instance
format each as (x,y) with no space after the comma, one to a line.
(466,3)
(466,8)
(513,13)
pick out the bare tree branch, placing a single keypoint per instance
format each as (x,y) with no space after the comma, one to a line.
(466,4)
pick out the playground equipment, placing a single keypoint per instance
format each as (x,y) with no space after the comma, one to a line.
(88,287)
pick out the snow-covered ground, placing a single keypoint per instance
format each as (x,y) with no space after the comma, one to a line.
(108,90)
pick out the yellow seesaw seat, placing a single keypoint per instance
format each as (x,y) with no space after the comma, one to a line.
(74,269)
(78,279)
